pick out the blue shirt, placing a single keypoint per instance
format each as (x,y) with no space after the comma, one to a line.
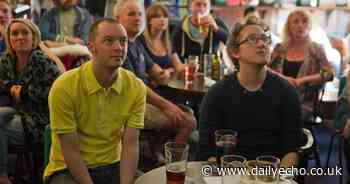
(138,61)
(163,61)
(50,25)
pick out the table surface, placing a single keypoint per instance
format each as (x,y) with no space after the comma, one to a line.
(197,85)
(193,176)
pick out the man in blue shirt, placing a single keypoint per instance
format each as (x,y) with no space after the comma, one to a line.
(161,114)
(66,22)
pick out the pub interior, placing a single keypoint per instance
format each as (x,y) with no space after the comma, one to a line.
(196,86)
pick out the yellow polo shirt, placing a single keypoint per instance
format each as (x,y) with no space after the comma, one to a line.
(79,104)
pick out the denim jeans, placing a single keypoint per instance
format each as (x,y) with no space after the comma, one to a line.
(11,133)
(100,175)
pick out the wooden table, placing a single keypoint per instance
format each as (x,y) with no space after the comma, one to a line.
(193,176)
(188,90)
(195,86)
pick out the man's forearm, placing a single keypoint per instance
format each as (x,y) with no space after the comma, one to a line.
(77,168)
(74,160)
(156,100)
(129,162)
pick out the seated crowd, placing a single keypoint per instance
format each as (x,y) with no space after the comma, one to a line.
(97,109)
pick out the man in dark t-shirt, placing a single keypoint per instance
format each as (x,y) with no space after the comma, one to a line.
(262,107)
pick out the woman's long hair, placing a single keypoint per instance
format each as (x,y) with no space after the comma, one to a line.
(286,32)
(152,12)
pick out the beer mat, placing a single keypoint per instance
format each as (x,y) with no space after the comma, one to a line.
(212,179)
(208,82)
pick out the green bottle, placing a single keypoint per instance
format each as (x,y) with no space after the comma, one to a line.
(215,68)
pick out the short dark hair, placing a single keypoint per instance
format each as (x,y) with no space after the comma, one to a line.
(248,10)
(94,27)
(234,39)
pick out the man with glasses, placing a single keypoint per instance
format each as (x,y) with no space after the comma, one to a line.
(263,108)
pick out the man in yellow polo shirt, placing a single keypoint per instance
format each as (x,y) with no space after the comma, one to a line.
(96,112)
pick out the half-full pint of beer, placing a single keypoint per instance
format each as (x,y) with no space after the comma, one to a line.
(175,173)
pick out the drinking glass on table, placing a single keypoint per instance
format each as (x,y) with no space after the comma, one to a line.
(191,67)
(234,168)
(225,141)
(268,165)
(176,155)
(251,172)
(207,65)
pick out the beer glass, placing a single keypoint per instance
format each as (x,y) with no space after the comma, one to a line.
(225,141)
(191,67)
(207,64)
(234,167)
(175,162)
(250,175)
(268,169)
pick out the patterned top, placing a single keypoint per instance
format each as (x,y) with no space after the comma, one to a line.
(36,79)
(315,62)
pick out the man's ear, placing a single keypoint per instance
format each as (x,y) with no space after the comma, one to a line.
(91,47)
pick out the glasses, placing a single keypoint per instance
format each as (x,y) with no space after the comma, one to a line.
(254,39)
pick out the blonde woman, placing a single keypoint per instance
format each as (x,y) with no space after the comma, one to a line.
(156,39)
(301,61)
(26,74)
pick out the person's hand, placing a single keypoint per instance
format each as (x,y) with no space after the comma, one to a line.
(346,130)
(209,21)
(291,80)
(165,75)
(174,114)
(15,92)
(182,121)
(74,40)
(299,82)
(185,128)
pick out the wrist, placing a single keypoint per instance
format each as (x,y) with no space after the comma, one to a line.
(303,80)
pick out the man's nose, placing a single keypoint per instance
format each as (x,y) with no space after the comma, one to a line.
(117,45)
(261,42)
